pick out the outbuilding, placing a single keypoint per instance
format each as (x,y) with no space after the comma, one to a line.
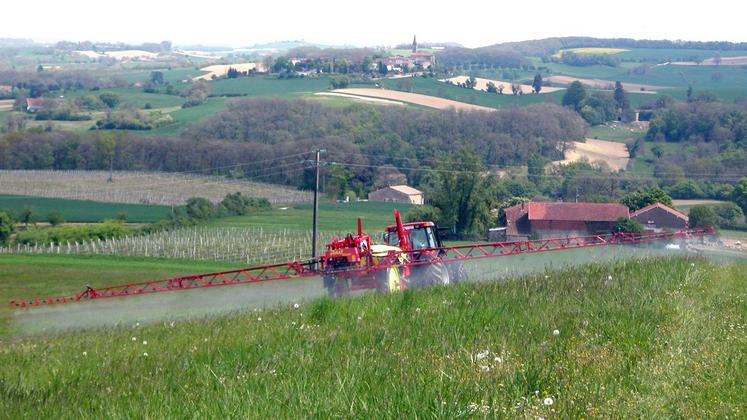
(656,217)
(559,220)
(397,194)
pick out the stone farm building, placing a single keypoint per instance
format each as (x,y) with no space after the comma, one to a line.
(397,194)
(656,217)
(34,104)
(558,220)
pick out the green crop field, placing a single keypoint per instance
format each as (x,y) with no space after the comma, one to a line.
(661,55)
(623,133)
(135,97)
(435,88)
(333,217)
(700,77)
(659,338)
(269,86)
(186,116)
(83,210)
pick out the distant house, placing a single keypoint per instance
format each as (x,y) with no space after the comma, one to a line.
(657,217)
(6,89)
(34,104)
(558,220)
(397,194)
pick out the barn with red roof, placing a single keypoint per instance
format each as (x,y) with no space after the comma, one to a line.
(557,220)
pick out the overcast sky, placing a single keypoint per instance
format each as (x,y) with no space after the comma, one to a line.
(369,23)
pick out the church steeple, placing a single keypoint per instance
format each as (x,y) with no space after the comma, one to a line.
(414,44)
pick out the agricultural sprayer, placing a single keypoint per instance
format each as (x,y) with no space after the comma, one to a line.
(411,256)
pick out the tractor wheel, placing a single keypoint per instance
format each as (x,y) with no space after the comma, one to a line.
(337,286)
(431,275)
(457,272)
(389,280)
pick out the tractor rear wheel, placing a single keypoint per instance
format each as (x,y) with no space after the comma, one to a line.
(389,280)
(431,275)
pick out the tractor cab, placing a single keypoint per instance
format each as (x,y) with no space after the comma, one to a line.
(420,235)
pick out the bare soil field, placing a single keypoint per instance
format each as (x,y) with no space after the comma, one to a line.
(6,104)
(613,153)
(606,84)
(482,84)
(361,98)
(219,70)
(413,98)
(725,61)
(139,187)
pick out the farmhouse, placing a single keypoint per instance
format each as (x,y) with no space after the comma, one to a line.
(657,217)
(397,194)
(34,104)
(6,89)
(557,220)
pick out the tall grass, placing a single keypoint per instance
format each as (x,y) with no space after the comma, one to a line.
(657,338)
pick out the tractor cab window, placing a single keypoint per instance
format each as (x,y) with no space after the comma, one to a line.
(420,237)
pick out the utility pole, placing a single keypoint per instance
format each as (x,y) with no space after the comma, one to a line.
(317,164)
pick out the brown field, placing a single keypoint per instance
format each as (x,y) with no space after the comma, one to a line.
(139,187)
(361,98)
(219,70)
(413,98)
(606,84)
(614,154)
(6,104)
(482,84)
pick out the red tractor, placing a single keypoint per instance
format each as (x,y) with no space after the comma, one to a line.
(411,256)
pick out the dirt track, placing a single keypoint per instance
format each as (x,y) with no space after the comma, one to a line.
(606,84)
(413,98)
(360,98)
(613,153)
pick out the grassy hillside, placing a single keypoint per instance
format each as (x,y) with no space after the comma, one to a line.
(656,338)
(83,210)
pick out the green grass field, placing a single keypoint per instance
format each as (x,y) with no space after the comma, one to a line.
(269,86)
(28,276)
(623,133)
(661,338)
(333,217)
(83,210)
(185,116)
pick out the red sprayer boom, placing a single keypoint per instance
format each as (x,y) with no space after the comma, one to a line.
(413,257)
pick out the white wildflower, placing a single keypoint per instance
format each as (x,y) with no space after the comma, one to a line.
(296,306)
(145,343)
(85,353)
(609,277)
(259,319)
(556,332)
(498,360)
(145,354)
(134,338)
(548,401)
(485,368)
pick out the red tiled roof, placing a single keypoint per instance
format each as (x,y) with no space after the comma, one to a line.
(35,102)
(6,88)
(661,206)
(582,212)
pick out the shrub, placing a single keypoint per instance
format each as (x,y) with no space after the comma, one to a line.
(55,218)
